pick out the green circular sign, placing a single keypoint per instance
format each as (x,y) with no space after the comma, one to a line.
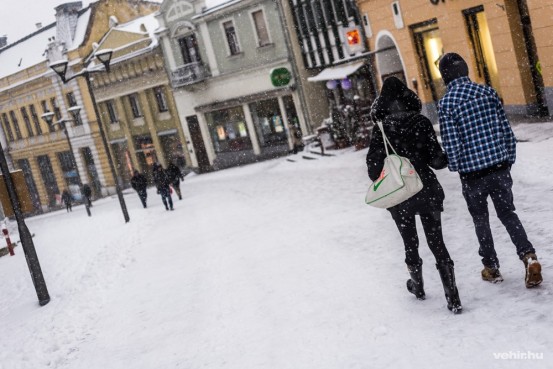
(280,77)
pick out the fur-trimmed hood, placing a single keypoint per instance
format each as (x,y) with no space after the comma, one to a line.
(395,97)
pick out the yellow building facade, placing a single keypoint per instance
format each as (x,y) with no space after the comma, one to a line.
(136,101)
(506,44)
(51,160)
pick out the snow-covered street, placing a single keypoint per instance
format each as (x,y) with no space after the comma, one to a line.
(277,265)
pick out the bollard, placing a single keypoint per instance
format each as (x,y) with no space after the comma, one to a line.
(7,237)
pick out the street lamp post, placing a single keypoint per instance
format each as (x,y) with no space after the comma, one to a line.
(60,67)
(25,235)
(49,118)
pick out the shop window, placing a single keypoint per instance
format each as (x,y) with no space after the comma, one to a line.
(482,48)
(429,51)
(68,168)
(173,149)
(7,128)
(231,37)
(268,122)
(228,130)
(145,152)
(261,28)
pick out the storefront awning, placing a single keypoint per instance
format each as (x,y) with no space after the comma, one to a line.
(338,72)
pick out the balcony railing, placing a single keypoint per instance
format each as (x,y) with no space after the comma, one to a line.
(189,74)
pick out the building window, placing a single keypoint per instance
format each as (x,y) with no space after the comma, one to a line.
(45,109)
(15,125)
(27,122)
(110,106)
(135,106)
(57,111)
(68,168)
(261,28)
(36,121)
(232,38)
(72,101)
(189,49)
(7,127)
(161,99)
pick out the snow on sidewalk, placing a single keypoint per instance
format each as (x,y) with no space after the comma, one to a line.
(275,265)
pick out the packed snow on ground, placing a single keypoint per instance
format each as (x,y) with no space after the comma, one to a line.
(276,265)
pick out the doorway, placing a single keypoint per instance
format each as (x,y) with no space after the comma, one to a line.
(429,48)
(482,48)
(198,143)
(388,61)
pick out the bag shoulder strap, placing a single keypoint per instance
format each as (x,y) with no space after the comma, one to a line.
(385,139)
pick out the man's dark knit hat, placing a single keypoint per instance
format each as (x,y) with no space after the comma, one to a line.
(453,66)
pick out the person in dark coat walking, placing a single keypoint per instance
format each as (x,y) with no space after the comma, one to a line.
(67,199)
(140,184)
(412,136)
(175,176)
(87,192)
(481,146)
(161,179)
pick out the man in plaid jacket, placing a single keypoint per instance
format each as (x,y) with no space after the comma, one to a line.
(481,146)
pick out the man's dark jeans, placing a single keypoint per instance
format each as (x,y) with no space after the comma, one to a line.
(498,186)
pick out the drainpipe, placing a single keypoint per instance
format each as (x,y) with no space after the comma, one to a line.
(292,60)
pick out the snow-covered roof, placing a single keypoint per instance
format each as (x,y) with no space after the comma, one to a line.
(30,50)
(135,26)
(151,25)
(215,5)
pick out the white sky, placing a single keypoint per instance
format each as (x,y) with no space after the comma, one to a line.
(18,18)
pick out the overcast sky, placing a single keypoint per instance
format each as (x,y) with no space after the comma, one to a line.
(18,18)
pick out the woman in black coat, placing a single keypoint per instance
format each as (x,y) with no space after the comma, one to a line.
(163,185)
(412,136)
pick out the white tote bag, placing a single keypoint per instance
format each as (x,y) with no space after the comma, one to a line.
(397,182)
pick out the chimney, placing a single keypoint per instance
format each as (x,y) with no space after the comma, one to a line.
(66,21)
(3,41)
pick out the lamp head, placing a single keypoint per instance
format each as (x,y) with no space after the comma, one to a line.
(48,117)
(74,110)
(60,67)
(104,56)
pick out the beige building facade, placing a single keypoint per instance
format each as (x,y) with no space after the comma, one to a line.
(136,102)
(506,44)
(51,160)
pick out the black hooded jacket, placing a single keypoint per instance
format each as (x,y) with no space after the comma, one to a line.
(412,136)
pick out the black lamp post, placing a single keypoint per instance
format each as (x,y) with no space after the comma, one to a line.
(25,235)
(104,56)
(49,118)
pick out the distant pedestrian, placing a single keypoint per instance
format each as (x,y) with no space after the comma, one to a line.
(295,135)
(140,184)
(87,192)
(163,185)
(481,146)
(67,199)
(175,176)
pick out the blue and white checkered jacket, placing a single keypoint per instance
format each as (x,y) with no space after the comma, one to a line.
(474,128)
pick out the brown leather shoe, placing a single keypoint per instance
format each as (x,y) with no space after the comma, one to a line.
(533,270)
(492,275)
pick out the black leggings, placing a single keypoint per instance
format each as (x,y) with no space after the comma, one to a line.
(432,225)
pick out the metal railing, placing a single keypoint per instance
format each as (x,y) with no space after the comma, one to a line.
(189,74)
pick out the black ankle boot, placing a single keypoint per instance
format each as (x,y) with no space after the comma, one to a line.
(415,285)
(447,274)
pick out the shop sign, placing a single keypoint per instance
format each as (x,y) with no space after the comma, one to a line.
(280,77)
(354,41)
